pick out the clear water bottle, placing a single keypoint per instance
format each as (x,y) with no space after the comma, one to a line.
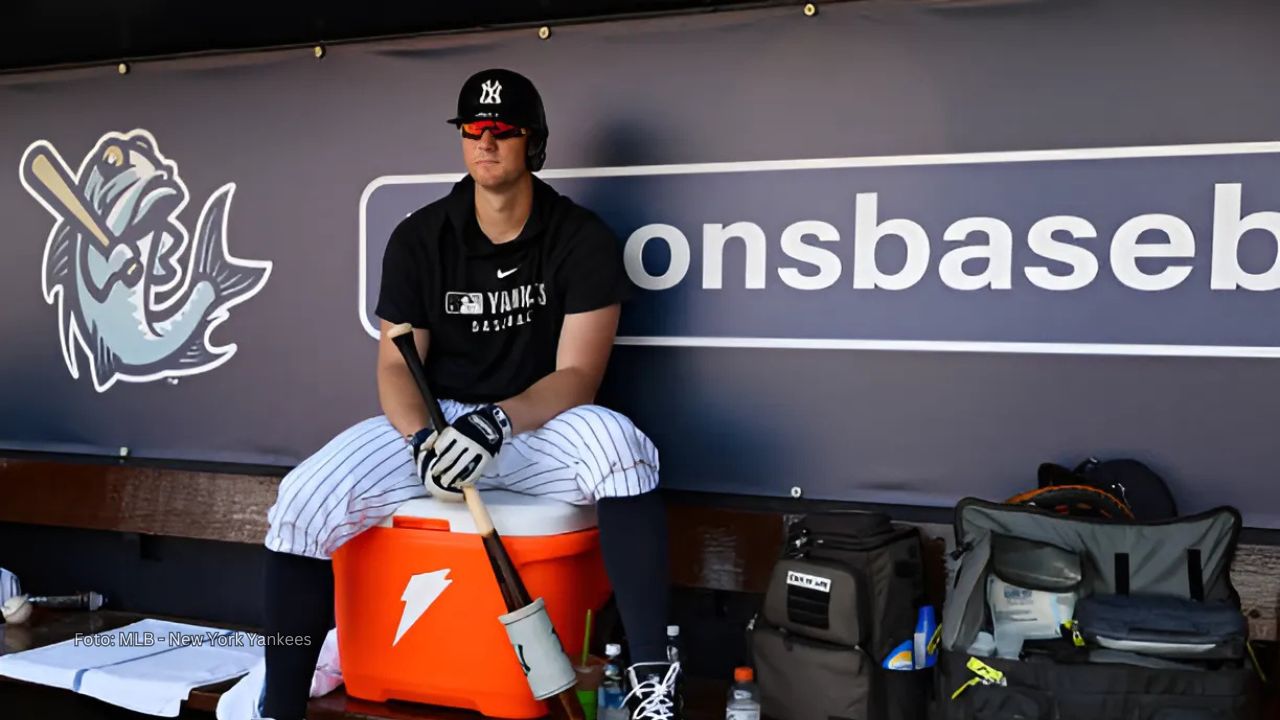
(673,643)
(610,705)
(744,696)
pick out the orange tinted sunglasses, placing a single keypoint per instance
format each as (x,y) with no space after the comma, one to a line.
(500,130)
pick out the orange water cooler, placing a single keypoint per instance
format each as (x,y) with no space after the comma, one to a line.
(417,604)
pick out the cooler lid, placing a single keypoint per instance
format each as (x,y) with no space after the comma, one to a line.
(514,514)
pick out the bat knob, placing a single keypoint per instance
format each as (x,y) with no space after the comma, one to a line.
(396,331)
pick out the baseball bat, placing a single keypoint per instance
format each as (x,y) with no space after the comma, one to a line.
(511,586)
(59,188)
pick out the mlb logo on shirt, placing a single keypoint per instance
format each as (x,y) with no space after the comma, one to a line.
(457,303)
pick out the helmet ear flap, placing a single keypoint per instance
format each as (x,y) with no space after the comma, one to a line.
(536,154)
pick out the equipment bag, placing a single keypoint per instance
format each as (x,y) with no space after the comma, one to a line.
(1156,631)
(1103,688)
(841,598)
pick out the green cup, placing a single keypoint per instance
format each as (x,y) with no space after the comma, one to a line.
(588,700)
(589,679)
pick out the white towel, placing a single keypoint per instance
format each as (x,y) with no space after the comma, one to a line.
(328,675)
(150,666)
(244,700)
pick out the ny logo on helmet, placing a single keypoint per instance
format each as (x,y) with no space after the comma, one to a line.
(491,92)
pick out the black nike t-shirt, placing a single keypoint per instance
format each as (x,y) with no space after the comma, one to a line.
(494,310)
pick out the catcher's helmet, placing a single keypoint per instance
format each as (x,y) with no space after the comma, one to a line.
(1075,500)
(1137,485)
(499,94)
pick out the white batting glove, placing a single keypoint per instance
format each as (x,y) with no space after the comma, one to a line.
(461,453)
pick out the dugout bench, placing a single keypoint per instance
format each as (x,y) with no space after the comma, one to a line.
(186,545)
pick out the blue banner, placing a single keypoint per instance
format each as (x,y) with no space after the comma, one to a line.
(1141,250)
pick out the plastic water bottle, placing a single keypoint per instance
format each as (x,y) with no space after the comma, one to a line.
(744,696)
(673,643)
(610,706)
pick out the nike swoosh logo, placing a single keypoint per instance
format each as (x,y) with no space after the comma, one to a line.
(502,274)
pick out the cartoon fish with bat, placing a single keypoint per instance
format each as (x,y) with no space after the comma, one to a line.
(139,297)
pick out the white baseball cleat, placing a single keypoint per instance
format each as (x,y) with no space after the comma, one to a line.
(654,694)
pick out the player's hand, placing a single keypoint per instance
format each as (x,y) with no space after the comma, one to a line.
(420,444)
(465,448)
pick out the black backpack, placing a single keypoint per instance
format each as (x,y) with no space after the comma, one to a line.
(842,597)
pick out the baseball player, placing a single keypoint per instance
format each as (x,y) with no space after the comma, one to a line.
(514,292)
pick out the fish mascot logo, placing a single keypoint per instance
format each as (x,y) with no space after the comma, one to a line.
(137,295)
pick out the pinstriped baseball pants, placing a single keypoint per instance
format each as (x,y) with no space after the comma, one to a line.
(364,473)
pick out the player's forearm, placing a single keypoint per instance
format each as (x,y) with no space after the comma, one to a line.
(561,390)
(401,402)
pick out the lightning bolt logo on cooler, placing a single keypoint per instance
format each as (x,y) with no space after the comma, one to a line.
(419,593)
